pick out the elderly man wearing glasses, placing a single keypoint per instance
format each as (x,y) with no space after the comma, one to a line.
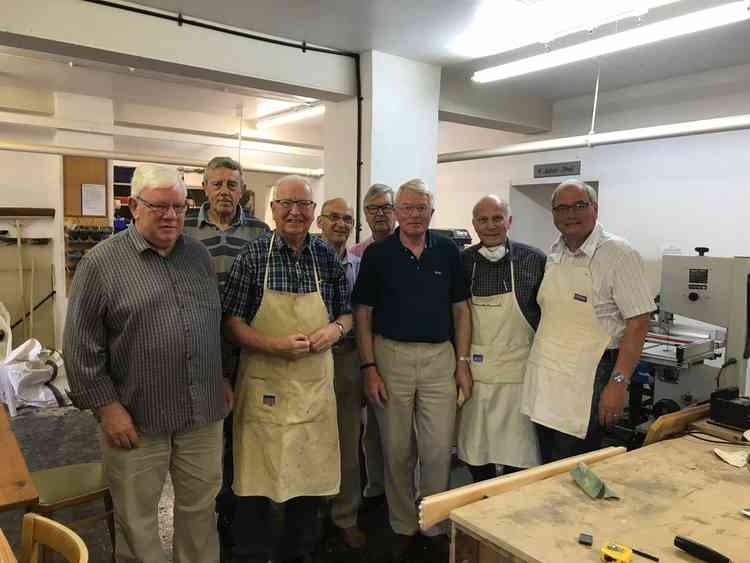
(413,333)
(595,305)
(336,220)
(286,302)
(378,205)
(143,351)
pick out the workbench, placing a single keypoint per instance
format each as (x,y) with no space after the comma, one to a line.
(673,487)
(16,487)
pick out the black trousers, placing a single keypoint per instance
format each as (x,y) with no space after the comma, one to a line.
(555,445)
(266,530)
(489,471)
(225,500)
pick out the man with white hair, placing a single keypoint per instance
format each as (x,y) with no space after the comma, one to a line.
(595,305)
(413,332)
(504,278)
(143,351)
(286,302)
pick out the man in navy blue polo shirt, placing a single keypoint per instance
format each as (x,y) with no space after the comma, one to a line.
(414,332)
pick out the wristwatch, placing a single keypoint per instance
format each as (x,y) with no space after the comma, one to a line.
(619,377)
(466,359)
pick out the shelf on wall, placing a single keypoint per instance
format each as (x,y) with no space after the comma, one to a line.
(26,212)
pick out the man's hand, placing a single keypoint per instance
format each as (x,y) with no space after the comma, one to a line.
(463,377)
(228,395)
(117,426)
(325,337)
(292,347)
(375,387)
(611,403)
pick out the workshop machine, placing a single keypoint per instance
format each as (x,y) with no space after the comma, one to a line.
(704,314)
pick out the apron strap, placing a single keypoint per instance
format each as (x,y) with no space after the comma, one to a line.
(268,265)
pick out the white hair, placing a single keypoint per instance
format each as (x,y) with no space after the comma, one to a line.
(583,186)
(377,190)
(287,179)
(416,186)
(155,176)
(504,205)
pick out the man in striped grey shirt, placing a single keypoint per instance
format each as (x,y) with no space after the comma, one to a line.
(143,351)
(595,304)
(224,228)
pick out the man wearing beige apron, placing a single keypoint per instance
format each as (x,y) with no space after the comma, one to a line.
(336,220)
(285,303)
(595,306)
(504,278)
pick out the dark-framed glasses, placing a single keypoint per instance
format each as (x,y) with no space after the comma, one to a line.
(333,217)
(162,209)
(386,209)
(302,204)
(577,207)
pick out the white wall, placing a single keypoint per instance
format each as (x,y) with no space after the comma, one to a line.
(34,180)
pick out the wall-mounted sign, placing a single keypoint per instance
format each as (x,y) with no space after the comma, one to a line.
(557,169)
(94,200)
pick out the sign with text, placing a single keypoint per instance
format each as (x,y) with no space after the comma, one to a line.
(557,169)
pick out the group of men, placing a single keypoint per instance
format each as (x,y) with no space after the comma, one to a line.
(528,355)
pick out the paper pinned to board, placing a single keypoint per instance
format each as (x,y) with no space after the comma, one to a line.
(738,458)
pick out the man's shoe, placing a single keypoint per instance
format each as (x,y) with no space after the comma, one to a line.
(353,537)
(400,545)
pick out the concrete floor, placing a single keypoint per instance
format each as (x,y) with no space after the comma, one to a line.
(53,437)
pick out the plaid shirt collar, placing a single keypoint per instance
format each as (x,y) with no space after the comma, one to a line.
(280,243)
(239,216)
(141,244)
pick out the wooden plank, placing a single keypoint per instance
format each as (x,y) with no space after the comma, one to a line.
(717,431)
(6,553)
(674,423)
(27,212)
(673,487)
(435,508)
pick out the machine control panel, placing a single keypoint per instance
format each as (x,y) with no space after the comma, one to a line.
(698,278)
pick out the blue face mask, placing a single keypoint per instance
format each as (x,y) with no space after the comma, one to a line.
(493,253)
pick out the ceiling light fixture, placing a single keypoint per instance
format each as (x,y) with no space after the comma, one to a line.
(290,115)
(666,29)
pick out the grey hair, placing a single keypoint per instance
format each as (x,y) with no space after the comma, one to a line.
(416,186)
(328,202)
(287,179)
(583,186)
(376,190)
(222,162)
(497,199)
(155,176)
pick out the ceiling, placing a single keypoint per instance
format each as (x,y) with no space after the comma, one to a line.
(426,30)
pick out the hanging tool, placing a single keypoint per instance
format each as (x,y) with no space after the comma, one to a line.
(20,271)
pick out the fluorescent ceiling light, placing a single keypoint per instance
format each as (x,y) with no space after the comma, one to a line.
(504,25)
(667,29)
(288,116)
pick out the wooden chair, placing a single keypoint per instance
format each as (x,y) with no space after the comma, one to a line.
(74,485)
(40,531)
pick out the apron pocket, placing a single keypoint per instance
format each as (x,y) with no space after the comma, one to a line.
(554,355)
(287,402)
(487,367)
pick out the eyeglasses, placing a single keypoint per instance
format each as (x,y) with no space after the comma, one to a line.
(386,209)
(162,209)
(333,217)
(577,207)
(302,204)
(413,209)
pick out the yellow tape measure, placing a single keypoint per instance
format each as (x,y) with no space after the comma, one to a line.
(617,553)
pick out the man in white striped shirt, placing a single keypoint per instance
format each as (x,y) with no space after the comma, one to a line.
(595,306)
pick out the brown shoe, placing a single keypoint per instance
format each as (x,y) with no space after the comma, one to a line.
(354,537)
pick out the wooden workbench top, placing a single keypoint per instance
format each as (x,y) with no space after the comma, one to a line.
(16,486)
(673,487)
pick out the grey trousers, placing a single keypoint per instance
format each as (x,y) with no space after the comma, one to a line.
(417,421)
(349,395)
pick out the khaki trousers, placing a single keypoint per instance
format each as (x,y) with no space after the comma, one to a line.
(349,394)
(417,421)
(136,479)
(372,448)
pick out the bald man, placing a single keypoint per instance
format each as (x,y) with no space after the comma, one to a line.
(504,278)
(336,220)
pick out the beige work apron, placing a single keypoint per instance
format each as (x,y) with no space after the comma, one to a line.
(492,428)
(286,441)
(567,347)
